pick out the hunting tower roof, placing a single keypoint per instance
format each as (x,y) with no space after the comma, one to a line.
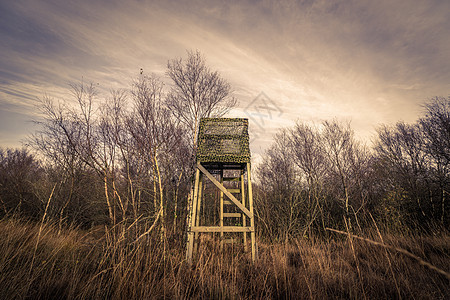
(223,140)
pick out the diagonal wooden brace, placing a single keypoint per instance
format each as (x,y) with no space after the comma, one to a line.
(225,191)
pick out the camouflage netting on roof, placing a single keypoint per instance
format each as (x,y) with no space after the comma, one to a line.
(223,140)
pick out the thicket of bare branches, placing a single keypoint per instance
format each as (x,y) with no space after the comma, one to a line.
(125,158)
(318,176)
(317,173)
(413,160)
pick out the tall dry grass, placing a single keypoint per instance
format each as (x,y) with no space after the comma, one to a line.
(101,264)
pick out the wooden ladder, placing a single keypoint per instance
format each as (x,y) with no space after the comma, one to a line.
(244,206)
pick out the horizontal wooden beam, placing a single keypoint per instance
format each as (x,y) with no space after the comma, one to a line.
(232,179)
(232,215)
(234,191)
(224,190)
(221,229)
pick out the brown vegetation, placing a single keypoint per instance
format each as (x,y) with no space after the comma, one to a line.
(78,264)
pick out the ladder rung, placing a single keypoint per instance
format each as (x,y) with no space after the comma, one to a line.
(232,179)
(227,202)
(234,191)
(222,229)
(232,215)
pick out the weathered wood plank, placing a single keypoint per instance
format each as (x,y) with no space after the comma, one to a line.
(250,203)
(222,229)
(221,208)
(190,242)
(199,204)
(232,215)
(244,223)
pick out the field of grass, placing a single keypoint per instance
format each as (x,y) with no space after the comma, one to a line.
(39,262)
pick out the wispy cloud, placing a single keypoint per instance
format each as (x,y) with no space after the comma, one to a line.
(369,61)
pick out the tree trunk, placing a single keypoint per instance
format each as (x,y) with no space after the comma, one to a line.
(108,202)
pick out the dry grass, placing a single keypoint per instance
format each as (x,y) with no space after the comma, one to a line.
(94,265)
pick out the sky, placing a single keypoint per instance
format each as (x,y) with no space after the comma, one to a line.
(367,62)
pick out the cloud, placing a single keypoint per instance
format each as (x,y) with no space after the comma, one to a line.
(369,61)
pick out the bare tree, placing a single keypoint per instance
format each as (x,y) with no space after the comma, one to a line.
(20,173)
(436,128)
(154,131)
(197,92)
(400,149)
(309,156)
(280,208)
(60,137)
(115,144)
(314,174)
(436,125)
(347,162)
(339,147)
(84,133)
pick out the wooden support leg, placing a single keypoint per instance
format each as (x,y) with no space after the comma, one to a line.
(252,219)
(190,241)
(244,222)
(221,213)
(199,204)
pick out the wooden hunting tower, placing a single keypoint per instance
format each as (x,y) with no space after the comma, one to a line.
(223,156)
